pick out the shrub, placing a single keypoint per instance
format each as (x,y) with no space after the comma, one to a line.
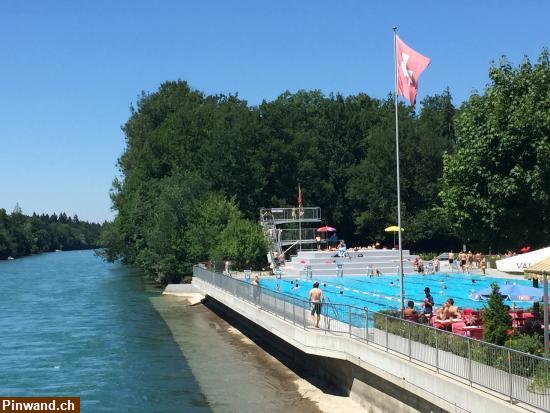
(496,320)
(526,344)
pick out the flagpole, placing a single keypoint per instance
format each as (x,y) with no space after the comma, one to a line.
(300,215)
(397,163)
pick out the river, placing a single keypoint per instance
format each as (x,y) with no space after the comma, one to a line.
(74,325)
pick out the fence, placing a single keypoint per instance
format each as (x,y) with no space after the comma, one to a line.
(282,215)
(517,376)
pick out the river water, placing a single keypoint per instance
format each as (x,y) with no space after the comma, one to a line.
(73,325)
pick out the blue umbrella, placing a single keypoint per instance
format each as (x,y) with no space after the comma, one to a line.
(511,292)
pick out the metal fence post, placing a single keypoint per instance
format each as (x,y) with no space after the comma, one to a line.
(366,324)
(470,360)
(293,311)
(436,352)
(349,319)
(410,344)
(284,309)
(305,322)
(386,318)
(510,373)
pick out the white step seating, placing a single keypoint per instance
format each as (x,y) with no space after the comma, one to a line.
(324,263)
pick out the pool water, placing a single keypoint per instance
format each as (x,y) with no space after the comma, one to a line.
(382,292)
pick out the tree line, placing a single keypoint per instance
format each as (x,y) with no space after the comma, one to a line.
(22,235)
(197,168)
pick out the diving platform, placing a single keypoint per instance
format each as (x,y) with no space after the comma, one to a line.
(286,228)
(279,216)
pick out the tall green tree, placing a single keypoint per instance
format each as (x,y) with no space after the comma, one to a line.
(496,184)
(496,320)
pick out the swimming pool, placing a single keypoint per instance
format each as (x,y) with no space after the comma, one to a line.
(382,293)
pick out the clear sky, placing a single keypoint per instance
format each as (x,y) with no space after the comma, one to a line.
(71,69)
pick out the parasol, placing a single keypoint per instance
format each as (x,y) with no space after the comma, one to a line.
(394,229)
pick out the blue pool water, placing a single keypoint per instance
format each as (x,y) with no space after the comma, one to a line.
(377,293)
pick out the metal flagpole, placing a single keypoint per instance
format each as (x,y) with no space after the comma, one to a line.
(300,215)
(397,162)
(545,313)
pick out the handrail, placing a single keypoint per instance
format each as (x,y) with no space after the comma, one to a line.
(285,251)
(332,306)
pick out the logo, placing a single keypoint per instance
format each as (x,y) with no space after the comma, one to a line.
(406,72)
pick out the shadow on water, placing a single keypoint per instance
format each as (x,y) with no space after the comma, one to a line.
(234,373)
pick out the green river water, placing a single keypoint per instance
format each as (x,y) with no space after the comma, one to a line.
(73,325)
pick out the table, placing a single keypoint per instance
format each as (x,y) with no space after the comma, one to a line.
(473,331)
(446,323)
(518,320)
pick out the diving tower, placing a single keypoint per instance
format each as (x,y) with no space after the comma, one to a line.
(285,228)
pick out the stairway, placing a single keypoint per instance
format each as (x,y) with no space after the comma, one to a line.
(361,262)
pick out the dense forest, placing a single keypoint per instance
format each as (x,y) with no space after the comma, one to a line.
(197,168)
(22,235)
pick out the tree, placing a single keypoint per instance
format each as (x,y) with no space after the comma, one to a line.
(496,320)
(243,242)
(197,166)
(204,232)
(497,183)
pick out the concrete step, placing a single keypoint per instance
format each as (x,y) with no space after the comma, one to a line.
(358,260)
(365,253)
(350,265)
(294,272)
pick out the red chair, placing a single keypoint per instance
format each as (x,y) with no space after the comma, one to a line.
(457,328)
(413,317)
(477,333)
(518,320)
(475,319)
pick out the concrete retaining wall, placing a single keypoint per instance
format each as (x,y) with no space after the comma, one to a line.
(379,380)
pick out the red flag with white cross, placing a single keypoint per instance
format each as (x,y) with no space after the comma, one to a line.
(410,64)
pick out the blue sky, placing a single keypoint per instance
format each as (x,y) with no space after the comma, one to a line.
(70,70)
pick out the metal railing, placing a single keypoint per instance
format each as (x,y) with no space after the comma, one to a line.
(285,215)
(516,376)
(292,235)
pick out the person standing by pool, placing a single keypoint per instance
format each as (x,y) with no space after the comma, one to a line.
(428,303)
(420,265)
(333,240)
(451,259)
(256,288)
(435,264)
(316,299)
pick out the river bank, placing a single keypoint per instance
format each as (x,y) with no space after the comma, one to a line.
(264,383)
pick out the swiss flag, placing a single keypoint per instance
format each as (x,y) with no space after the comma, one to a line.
(410,65)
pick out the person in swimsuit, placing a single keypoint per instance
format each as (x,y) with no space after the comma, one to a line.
(316,299)
(462,256)
(428,303)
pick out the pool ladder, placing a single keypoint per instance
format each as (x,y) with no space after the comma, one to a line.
(333,307)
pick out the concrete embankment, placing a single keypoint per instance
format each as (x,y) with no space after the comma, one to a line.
(234,374)
(381,381)
(186,291)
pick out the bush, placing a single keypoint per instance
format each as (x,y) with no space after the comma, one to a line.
(526,344)
(541,379)
(242,241)
(496,320)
